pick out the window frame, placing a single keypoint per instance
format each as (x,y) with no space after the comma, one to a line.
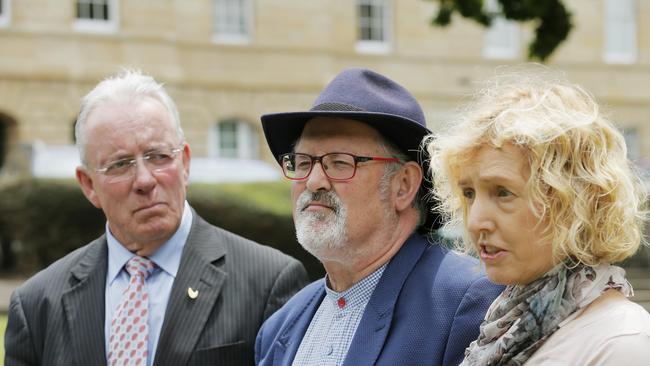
(371,46)
(99,26)
(246,17)
(5,14)
(232,151)
(246,140)
(627,29)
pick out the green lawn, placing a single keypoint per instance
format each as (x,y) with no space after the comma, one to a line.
(3,325)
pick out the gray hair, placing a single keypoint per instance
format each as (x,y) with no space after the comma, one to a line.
(125,86)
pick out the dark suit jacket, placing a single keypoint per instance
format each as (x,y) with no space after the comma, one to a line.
(57,316)
(425,310)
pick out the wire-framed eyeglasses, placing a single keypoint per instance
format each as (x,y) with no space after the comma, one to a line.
(155,161)
(336,166)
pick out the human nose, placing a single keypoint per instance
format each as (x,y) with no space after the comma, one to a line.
(480,217)
(143,176)
(317,179)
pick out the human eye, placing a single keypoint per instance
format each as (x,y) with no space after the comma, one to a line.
(341,161)
(157,157)
(503,192)
(468,192)
(118,166)
(302,162)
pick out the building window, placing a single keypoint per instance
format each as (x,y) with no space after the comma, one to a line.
(227,142)
(502,38)
(374,26)
(5,12)
(620,32)
(232,21)
(98,16)
(92,9)
(233,139)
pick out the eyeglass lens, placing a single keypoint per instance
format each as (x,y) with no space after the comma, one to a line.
(335,165)
(154,161)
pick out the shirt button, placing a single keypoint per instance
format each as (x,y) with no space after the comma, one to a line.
(329,350)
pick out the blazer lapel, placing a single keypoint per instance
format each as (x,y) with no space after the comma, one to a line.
(185,317)
(291,337)
(373,328)
(84,305)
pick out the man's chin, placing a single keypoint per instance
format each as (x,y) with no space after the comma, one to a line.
(156,222)
(155,230)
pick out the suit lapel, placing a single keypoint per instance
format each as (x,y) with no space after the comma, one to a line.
(291,337)
(373,328)
(185,317)
(84,305)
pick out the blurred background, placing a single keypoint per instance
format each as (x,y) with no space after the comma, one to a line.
(226,62)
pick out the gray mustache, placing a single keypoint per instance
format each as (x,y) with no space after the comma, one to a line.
(327,198)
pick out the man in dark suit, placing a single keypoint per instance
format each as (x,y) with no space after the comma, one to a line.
(162,286)
(392,294)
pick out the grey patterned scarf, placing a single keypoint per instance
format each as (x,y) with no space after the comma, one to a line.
(521,319)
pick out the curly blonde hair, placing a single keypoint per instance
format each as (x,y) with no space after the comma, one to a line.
(581,183)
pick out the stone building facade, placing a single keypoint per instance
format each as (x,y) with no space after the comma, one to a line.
(225,62)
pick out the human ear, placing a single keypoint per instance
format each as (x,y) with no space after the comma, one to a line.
(186,156)
(407,182)
(87,186)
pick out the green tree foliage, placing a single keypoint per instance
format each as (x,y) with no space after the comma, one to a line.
(552,20)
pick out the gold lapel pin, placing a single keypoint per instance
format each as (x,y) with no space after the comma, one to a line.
(193,294)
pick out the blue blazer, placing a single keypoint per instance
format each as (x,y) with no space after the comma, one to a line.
(425,310)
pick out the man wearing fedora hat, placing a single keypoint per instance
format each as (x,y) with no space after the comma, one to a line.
(392,294)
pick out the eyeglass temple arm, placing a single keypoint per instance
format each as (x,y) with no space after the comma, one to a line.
(362,159)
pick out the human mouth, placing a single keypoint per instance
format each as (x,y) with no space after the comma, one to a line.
(489,252)
(318,203)
(148,207)
(316,206)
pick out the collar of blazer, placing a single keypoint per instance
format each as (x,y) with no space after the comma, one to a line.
(375,323)
(84,302)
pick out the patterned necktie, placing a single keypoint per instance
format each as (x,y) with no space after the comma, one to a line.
(129,330)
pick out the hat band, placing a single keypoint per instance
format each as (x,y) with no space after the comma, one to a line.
(336,107)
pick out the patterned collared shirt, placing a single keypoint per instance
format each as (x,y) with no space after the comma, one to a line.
(332,328)
(159,284)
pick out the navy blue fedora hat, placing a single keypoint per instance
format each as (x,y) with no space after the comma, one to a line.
(361,95)
(366,96)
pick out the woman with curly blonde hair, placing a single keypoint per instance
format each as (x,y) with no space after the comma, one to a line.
(540,181)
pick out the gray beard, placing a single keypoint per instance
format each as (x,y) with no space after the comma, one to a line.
(323,234)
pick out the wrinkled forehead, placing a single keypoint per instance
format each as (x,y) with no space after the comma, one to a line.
(139,112)
(128,128)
